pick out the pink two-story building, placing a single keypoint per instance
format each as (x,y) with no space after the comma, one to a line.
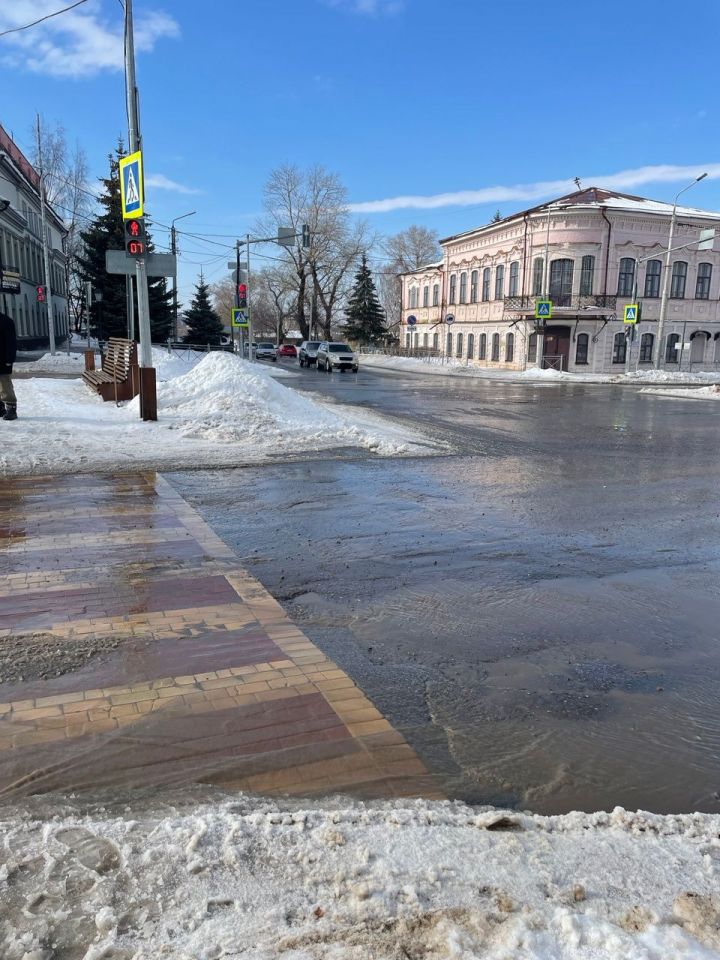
(590,253)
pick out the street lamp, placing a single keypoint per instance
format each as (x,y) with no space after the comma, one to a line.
(666,275)
(173,250)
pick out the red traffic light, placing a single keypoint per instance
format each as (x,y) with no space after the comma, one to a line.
(135,248)
(242,289)
(40,294)
(135,228)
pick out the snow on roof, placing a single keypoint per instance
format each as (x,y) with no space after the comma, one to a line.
(598,198)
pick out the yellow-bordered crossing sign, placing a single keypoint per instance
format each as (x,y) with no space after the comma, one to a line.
(131,186)
(239,317)
(543,309)
(632,313)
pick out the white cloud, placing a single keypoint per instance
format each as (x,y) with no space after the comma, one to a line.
(372,8)
(161,182)
(530,192)
(79,43)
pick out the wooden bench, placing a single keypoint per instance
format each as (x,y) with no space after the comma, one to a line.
(119,378)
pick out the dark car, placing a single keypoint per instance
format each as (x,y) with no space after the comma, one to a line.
(307,354)
(287,350)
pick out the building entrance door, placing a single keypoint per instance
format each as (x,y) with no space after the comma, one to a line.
(556,348)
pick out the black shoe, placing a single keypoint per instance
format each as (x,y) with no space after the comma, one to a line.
(10,411)
(2,409)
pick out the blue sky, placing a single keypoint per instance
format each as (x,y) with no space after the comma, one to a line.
(498,106)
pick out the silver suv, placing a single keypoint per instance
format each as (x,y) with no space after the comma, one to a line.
(338,356)
(307,354)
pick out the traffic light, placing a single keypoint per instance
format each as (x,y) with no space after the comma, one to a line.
(136,244)
(306,237)
(40,294)
(242,296)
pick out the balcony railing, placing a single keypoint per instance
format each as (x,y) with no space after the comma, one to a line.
(568,301)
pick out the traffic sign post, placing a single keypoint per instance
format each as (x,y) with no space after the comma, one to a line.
(543,309)
(631,313)
(131,186)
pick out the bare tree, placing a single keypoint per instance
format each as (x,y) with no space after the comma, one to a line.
(408,250)
(66,177)
(272,301)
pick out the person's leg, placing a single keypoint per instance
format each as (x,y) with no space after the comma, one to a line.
(8,400)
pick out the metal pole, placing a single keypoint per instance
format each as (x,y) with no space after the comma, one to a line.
(173,250)
(88,299)
(148,397)
(666,278)
(46,255)
(249,310)
(130,296)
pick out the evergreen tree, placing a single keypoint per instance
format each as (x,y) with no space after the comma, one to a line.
(108,317)
(204,325)
(365,319)
(498,217)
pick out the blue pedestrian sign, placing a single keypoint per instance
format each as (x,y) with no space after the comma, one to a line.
(239,318)
(631,313)
(543,309)
(131,186)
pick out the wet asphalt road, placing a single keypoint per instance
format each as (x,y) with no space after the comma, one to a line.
(538,610)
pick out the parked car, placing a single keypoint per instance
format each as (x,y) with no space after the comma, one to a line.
(246,349)
(287,350)
(266,351)
(307,355)
(338,356)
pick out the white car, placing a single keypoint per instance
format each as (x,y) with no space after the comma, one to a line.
(336,356)
(266,351)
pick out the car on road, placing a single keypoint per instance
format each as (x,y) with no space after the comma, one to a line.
(287,350)
(266,351)
(336,356)
(307,354)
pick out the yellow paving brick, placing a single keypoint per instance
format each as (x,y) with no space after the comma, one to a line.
(242,671)
(61,698)
(136,696)
(369,727)
(36,714)
(22,705)
(167,693)
(357,715)
(183,681)
(256,687)
(201,677)
(339,684)
(82,705)
(124,710)
(219,683)
(100,726)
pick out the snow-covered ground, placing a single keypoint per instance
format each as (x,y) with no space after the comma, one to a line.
(691,393)
(453,367)
(213,410)
(342,880)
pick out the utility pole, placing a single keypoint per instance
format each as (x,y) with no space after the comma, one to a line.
(46,255)
(148,390)
(173,250)
(249,309)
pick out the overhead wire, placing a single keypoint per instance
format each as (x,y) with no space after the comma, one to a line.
(48,16)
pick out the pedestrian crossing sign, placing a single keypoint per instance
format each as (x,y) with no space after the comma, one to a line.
(631,313)
(131,186)
(543,309)
(239,318)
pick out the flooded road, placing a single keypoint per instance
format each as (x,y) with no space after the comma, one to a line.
(538,611)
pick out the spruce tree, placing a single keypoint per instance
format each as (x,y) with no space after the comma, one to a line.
(203,323)
(108,317)
(365,319)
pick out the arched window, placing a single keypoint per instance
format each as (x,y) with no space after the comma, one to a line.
(716,355)
(619,348)
(416,339)
(587,273)
(509,348)
(458,345)
(538,277)
(702,286)
(698,341)
(646,347)
(581,349)
(671,348)
(495,347)
(453,288)
(473,286)
(499,281)
(486,284)
(652,278)
(561,281)
(482,346)
(448,347)
(471,346)
(436,294)
(407,341)
(426,296)
(425,340)
(677,281)
(436,341)
(514,278)
(626,277)
(463,287)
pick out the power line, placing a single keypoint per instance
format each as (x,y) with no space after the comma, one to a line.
(48,16)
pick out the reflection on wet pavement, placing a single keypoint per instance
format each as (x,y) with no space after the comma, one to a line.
(539,612)
(135,651)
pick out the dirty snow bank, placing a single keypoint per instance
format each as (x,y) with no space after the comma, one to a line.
(699,393)
(222,412)
(245,877)
(453,367)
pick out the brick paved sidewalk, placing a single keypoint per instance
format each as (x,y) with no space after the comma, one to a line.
(201,676)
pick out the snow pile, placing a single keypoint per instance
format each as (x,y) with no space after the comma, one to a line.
(454,367)
(222,412)
(697,393)
(243,877)
(59,363)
